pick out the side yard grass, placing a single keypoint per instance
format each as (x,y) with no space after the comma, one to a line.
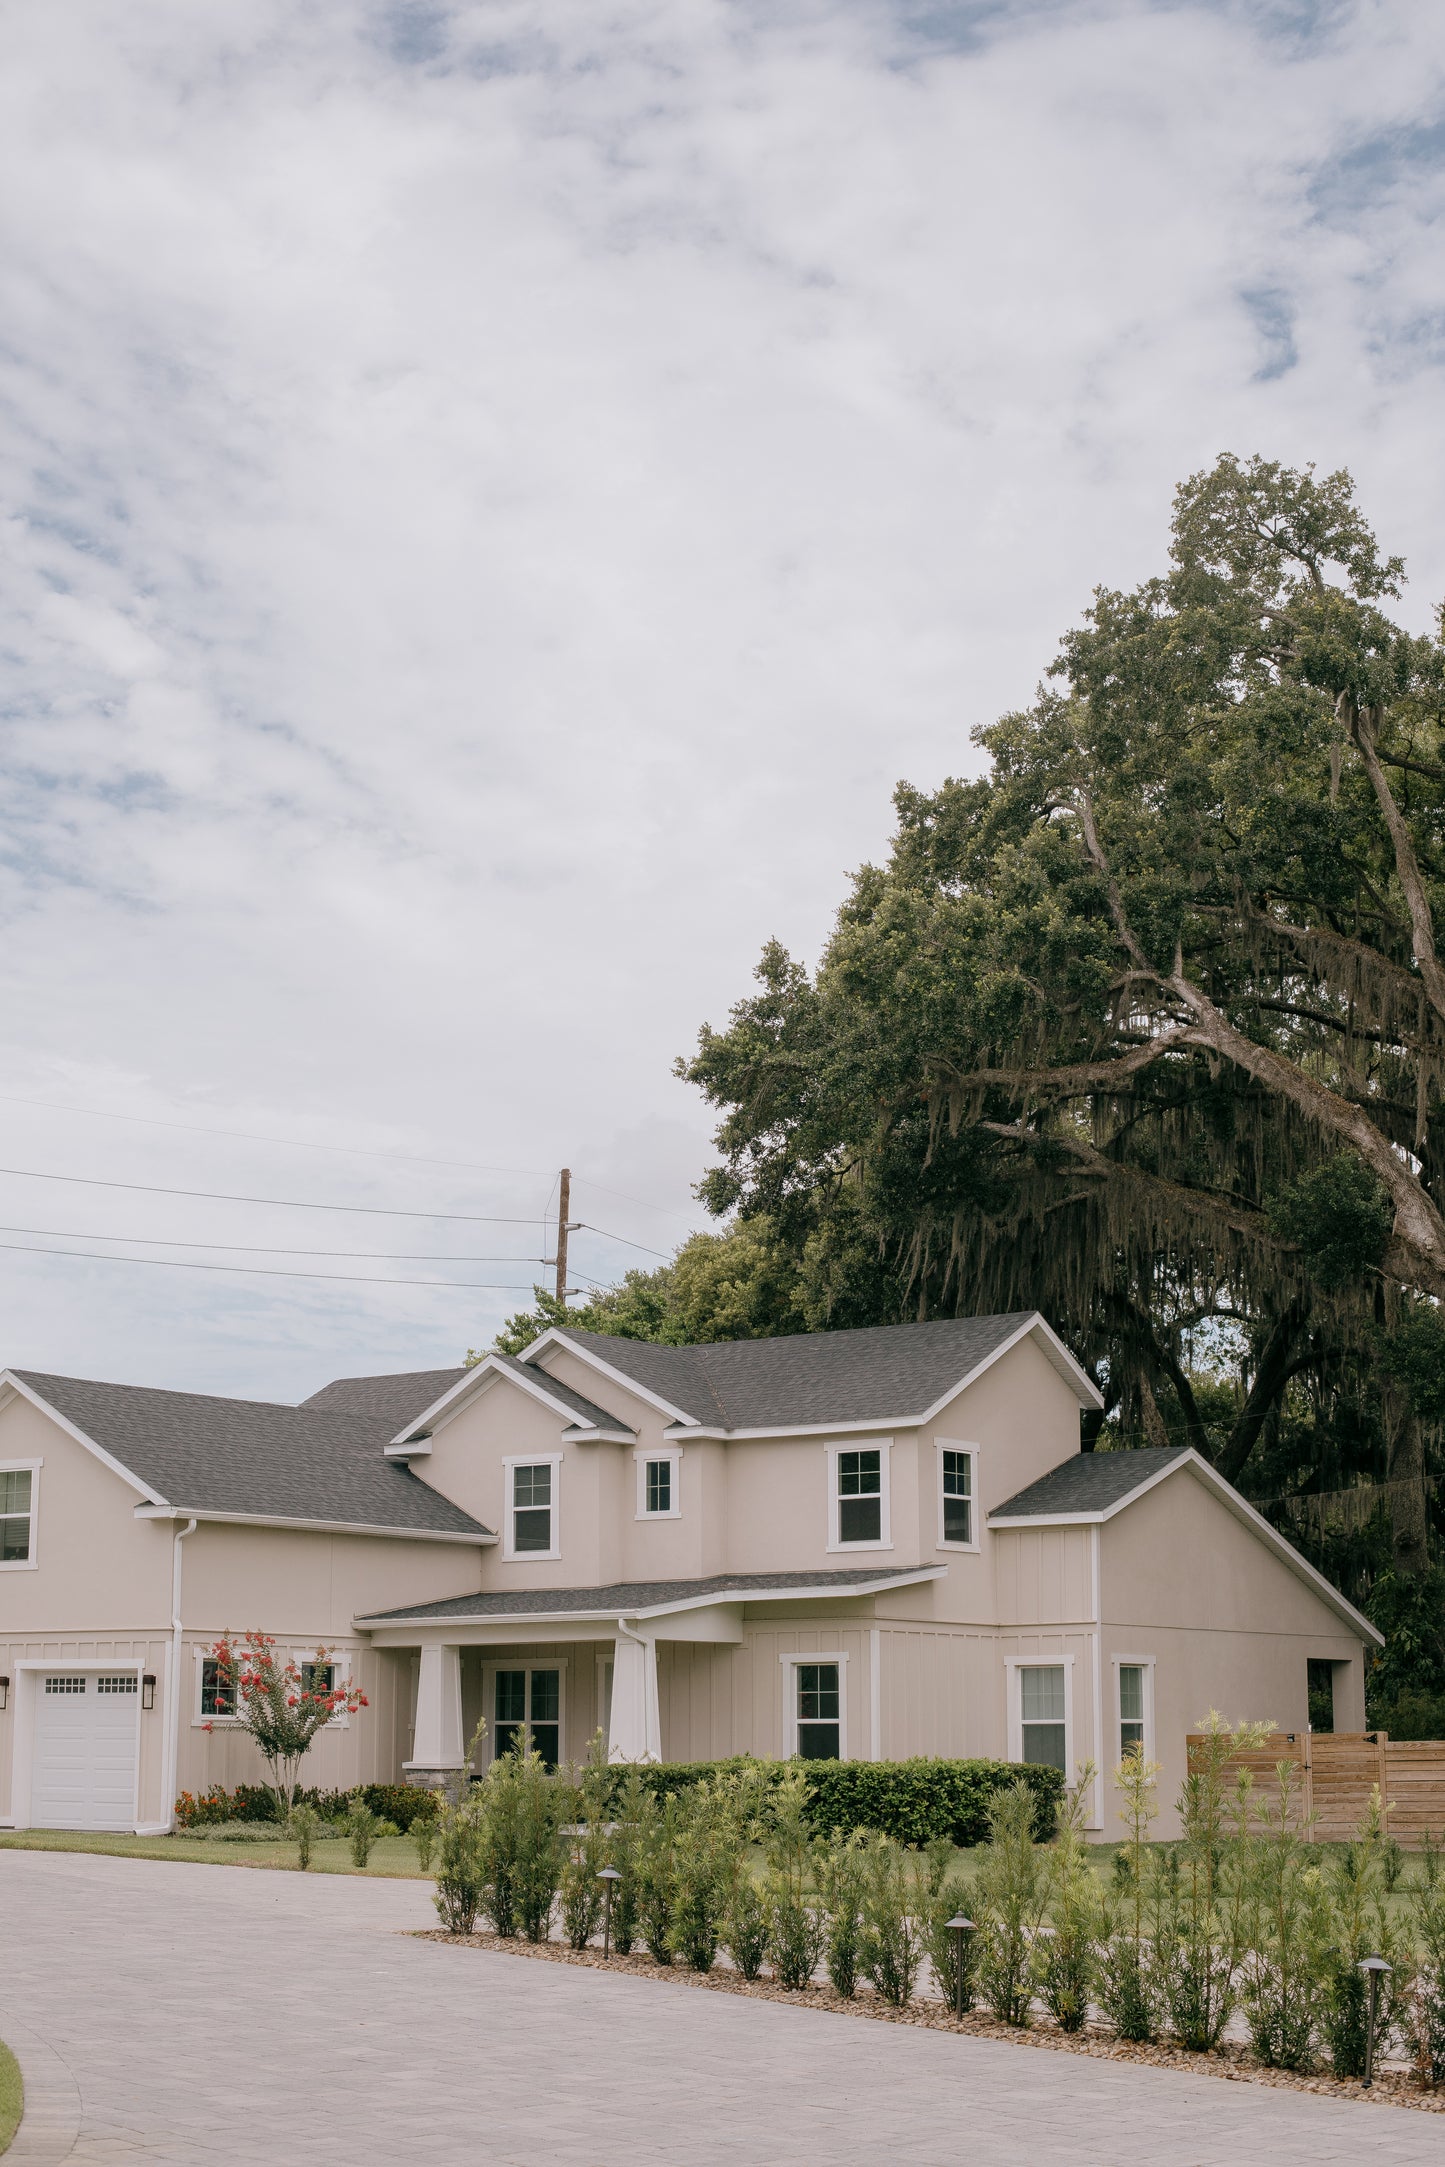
(392,1856)
(12,2096)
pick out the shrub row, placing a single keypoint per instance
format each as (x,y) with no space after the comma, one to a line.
(394,1802)
(916,1802)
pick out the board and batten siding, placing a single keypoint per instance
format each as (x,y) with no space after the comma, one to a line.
(85,1651)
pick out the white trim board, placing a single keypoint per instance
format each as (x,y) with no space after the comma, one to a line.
(481,1377)
(380,1622)
(481,1540)
(9,1380)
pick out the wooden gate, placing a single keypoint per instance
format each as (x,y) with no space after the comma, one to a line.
(1338,1771)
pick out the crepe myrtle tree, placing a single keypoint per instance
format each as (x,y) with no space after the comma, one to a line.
(273,1701)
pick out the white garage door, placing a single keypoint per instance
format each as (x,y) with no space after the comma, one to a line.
(85,1747)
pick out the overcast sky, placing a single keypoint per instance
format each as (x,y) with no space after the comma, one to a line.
(494,497)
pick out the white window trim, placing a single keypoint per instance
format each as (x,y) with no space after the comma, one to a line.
(790,1695)
(645,1457)
(529,1662)
(31,1468)
(510,1553)
(883,1446)
(957,1444)
(1146,1664)
(1013,1664)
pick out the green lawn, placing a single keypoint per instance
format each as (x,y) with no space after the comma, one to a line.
(394,1856)
(12,2096)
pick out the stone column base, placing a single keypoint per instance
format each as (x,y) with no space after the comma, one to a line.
(452,1780)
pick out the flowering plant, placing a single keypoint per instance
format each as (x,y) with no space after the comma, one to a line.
(282,1706)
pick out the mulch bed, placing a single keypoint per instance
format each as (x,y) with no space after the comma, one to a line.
(1230,2062)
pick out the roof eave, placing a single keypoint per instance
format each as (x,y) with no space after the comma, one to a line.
(880,1585)
(557,1336)
(480,1538)
(72,1429)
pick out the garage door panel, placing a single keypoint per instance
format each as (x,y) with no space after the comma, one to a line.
(85,1750)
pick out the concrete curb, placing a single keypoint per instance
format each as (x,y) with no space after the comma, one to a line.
(50,2126)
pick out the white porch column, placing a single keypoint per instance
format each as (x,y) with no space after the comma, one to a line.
(437,1748)
(636,1730)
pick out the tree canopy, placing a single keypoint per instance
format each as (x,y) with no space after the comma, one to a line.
(1145,1027)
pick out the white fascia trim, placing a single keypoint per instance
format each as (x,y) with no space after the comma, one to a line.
(554,1336)
(1242,1510)
(481,1540)
(879,1586)
(480,1373)
(16,1384)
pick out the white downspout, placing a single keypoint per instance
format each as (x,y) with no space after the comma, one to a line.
(1098,1681)
(173,1682)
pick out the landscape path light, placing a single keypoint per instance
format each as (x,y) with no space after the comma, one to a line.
(960,1928)
(609,1877)
(1372,1967)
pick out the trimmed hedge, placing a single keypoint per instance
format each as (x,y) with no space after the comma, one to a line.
(914,1801)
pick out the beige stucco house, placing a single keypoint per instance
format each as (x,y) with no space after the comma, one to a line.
(870,1544)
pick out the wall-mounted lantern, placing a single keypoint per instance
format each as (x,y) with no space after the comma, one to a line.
(4,1692)
(148,1691)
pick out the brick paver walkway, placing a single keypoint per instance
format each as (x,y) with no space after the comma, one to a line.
(238,2018)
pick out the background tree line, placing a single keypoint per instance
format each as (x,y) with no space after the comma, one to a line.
(1145,1028)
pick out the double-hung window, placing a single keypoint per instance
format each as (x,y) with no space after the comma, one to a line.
(1043,1715)
(17,1515)
(957,1496)
(813,1706)
(531,1521)
(858,1507)
(659,1495)
(1134,1710)
(218,1690)
(528,1711)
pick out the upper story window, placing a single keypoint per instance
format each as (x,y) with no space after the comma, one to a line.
(658,1486)
(957,1496)
(18,1486)
(858,1513)
(531,1517)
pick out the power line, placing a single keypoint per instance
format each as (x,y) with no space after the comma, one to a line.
(261,1271)
(265,1249)
(585,1226)
(285,1203)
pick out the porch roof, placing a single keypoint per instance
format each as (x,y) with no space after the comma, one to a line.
(641,1598)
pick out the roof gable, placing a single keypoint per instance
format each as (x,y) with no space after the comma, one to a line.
(1091,1494)
(811,1380)
(248,1459)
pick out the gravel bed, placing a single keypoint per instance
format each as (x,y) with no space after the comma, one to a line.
(1230,2062)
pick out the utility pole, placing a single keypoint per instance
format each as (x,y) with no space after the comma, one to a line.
(564,1228)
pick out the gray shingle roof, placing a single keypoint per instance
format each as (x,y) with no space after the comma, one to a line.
(883,1373)
(394,1399)
(586,1411)
(623,1598)
(1090,1482)
(253,1457)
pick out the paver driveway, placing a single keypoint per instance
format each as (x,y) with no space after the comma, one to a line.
(230,2016)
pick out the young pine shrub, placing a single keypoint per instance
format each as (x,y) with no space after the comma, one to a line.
(1010,1892)
(629,1806)
(364,1828)
(424,1836)
(543,1803)
(587,1850)
(945,1895)
(1424,2017)
(799,1928)
(747,1924)
(708,1855)
(1201,1890)
(1356,1924)
(1280,1973)
(840,1872)
(460,1887)
(1065,1953)
(656,1873)
(892,1945)
(1124,1982)
(304,1825)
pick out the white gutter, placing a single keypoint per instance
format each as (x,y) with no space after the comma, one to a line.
(176,1699)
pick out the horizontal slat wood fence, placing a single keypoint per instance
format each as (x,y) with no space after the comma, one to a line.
(1338,1770)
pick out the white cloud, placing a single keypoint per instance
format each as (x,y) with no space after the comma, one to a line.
(496,495)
